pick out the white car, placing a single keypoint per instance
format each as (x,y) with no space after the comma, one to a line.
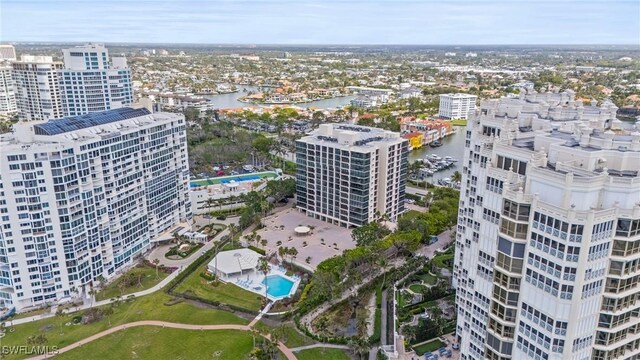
(410,201)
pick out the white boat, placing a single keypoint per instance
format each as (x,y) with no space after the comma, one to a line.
(435,157)
(450,159)
(445,182)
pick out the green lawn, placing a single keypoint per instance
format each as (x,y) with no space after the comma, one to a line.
(401,301)
(417,288)
(225,293)
(443,260)
(428,278)
(149,280)
(294,339)
(322,353)
(411,214)
(149,307)
(31,313)
(458,122)
(432,345)
(163,343)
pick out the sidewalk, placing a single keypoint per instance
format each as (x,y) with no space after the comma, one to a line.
(85,306)
(180,264)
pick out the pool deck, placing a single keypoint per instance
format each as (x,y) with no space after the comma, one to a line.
(253,282)
(239,178)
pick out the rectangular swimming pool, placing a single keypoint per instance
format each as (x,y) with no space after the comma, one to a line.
(236,178)
(278,286)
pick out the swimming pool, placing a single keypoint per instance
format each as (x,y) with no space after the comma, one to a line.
(278,286)
(236,178)
(241,179)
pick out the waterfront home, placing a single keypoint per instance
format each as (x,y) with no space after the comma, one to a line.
(416,140)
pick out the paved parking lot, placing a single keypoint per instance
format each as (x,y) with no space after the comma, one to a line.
(280,227)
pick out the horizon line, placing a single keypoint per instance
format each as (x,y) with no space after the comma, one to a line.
(17,42)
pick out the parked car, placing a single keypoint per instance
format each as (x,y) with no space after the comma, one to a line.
(410,201)
(221,217)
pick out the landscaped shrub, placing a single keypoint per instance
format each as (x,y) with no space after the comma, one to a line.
(207,276)
(258,250)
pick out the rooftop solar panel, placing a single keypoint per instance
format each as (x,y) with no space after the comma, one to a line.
(68,124)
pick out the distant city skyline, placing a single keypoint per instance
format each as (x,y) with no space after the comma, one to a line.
(399,22)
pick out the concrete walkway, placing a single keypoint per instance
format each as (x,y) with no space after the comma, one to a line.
(425,250)
(85,306)
(320,345)
(262,312)
(180,264)
(158,252)
(285,350)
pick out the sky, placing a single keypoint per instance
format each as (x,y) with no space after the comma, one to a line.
(428,22)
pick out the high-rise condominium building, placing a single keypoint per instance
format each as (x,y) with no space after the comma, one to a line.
(7,93)
(36,87)
(548,237)
(92,82)
(457,106)
(350,175)
(82,196)
(7,52)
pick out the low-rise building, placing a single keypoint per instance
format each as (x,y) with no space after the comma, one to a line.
(416,140)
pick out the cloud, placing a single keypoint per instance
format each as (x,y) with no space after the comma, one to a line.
(326,22)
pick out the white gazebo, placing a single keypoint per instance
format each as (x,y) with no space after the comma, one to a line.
(302,230)
(234,263)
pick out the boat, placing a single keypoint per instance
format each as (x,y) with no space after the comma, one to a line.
(450,159)
(436,144)
(444,182)
(435,157)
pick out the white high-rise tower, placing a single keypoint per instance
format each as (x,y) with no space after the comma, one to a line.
(547,258)
(92,82)
(82,196)
(36,87)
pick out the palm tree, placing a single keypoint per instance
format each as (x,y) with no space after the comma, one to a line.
(232,200)
(359,346)
(383,264)
(209,203)
(108,311)
(100,279)
(92,292)
(322,325)
(233,228)
(156,262)
(263,267)
(293,252)
(456,177)
(60,315)
(37,340)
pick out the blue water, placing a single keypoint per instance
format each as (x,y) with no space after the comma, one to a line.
(241,178)
(278,286)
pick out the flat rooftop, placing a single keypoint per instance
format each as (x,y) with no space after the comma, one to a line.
(349,136)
